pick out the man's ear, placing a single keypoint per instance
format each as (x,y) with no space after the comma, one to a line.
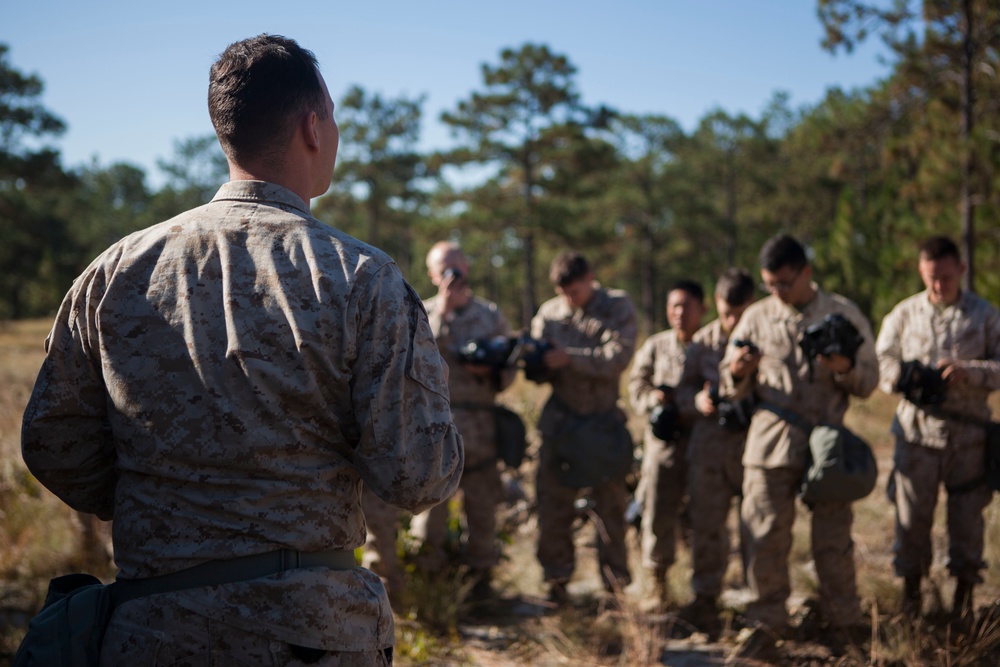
(310,130)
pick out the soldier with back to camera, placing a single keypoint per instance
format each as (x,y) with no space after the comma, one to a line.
(223,384)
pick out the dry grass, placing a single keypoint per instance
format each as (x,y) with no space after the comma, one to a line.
(438,625)
(37,532)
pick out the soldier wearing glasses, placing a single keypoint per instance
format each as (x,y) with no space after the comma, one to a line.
(793,391)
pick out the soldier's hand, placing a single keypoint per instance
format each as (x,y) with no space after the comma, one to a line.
(556,359)
(703,401)
(451,292)
(836,363)
(953,371)
(745,364)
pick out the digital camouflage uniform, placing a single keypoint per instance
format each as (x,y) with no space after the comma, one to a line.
(715,472)
(774,456)
(663,481)
(222,384)
(600,339)
(934,449)
(472,410)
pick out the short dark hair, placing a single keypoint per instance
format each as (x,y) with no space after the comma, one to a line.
(735,286)
(567,268)
(691,287)
(939,247)
(258,88)
(781,251)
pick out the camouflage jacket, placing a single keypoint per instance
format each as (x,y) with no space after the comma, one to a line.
(600,339)
(789,381)
(479,319)
(222,383)
(968,331)
(470,392)
(660,361)
(701,365)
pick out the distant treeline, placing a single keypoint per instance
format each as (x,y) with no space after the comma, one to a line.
(861,178)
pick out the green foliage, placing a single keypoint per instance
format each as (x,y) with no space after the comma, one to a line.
(525,125)
(380,191)
(30,177)
(861,177)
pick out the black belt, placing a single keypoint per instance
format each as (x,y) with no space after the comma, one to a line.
(232,570)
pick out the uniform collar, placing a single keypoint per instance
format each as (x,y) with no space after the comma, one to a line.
(263,192)
(963,304)
(819,298)
(599,297)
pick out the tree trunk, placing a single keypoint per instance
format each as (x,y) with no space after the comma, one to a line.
(647,277)
(528,299)
(968,101)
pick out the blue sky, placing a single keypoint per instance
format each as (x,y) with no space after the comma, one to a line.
(129,78)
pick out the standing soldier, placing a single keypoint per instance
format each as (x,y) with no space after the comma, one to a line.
(940,349)
(592,331)
(653,383)
(222,384)
(457,317)
(715,453)
(793,392)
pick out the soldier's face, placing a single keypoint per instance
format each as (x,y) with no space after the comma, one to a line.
(684,312)
(788,284)
(440,264)
(579,292)
(729,316)
(942,278)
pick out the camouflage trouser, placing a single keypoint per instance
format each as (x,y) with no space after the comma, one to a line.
(556,516)
(715,478)
(913,487)
(381,555)
(664,482)
(768,512)
(482,492)
(155,630)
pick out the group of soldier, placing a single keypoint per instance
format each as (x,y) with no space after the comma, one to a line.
(728,408)
(223,386)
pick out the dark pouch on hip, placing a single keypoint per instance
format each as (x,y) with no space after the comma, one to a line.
(69,629)
(592,450)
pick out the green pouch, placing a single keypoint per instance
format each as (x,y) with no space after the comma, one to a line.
(841,466)
(69,629)
(593,450)
(991,467)
(511,436)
